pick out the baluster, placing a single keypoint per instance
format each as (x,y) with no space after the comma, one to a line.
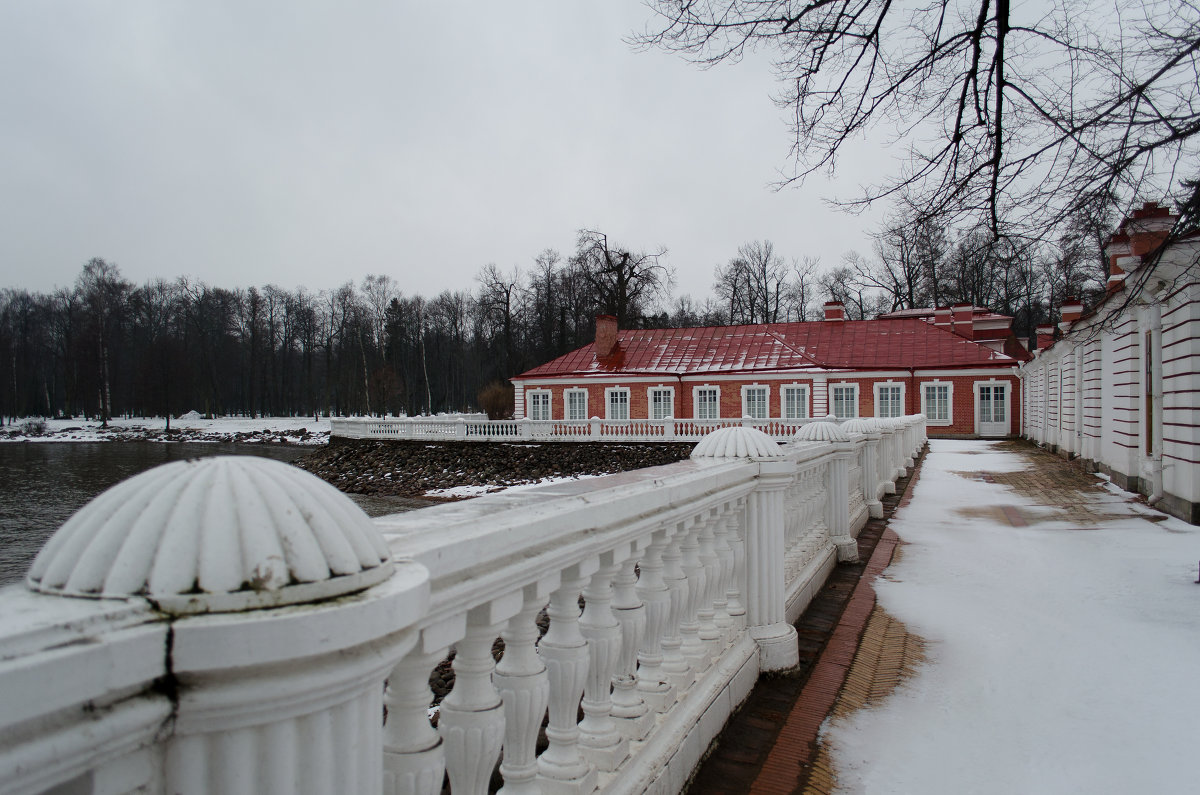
(735,522)
(674,663)
(706,615)
(413,755)
(562,767)
(721,616)
(689,627)
(653,685)
(524,688)
(602,743)
(472,721)
(633,718)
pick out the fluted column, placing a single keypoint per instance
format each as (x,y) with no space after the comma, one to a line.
(472,721)
(692,648)
(871,479)
(562,767)
(653,685)
(838,516)
(632,716)
(602,743)
(413,756)
(524,689)
(766,594)
(709,632)
(735,594)
(725,556)
(674,663)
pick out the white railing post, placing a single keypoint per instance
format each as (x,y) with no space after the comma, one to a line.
(460,429)
(654,686)
(471,721)
(725,556)
(674,664)
(706,613)
(735,593)
(594,427)
(524,689)
(838,510)
(633,717)
(693,648)
(766,603)
(562,767)
(602,743)
(872,482)
(526,425)
(413,757)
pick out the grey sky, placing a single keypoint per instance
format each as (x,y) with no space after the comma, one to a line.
(313,143)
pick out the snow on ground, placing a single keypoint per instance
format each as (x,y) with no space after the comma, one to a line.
(1059,659)
(189,428)
(465,492)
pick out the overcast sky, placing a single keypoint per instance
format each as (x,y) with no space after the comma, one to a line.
(246,143)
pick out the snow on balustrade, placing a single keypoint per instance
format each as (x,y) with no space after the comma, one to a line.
(595,429)
(690,575)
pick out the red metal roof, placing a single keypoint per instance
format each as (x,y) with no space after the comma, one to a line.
(884,344)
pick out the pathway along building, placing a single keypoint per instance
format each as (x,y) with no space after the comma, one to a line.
(1120,387)
(955,365)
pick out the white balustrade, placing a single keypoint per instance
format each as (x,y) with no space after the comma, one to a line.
(690,576)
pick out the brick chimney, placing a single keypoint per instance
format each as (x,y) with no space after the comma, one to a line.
(835,310)
(606,335)
(1045,336)
(963,317)
(1070,311)
(942,317)
(1141,232)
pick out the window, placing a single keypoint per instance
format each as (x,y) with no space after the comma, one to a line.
(754,401)
(889,400)
(576,404)
(795,402)
(935,403)
(845,401)
(539,405)
(618,403)
(707,400)
(662,403)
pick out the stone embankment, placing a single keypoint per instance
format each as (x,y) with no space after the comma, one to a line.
(413,468)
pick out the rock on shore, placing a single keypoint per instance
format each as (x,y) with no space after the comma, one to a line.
(413,468)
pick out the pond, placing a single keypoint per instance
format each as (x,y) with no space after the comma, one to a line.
(42,484)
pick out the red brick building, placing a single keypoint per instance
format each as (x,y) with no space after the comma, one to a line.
(955,365)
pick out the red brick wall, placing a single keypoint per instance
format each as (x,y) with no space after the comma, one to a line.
(962,414)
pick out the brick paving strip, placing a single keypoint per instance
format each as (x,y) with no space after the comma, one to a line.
(770,745)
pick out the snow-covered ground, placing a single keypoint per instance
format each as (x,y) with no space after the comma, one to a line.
(466,492)
(189,428)
(1059,659)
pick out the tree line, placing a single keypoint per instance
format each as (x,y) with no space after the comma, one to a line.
(105,347)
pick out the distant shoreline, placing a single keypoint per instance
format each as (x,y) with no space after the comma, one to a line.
(244,430)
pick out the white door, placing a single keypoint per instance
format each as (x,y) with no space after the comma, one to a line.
(992,409)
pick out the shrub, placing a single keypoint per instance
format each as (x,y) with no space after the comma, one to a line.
(497,400)
(34,427)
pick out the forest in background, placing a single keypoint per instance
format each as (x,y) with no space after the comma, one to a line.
(106,347)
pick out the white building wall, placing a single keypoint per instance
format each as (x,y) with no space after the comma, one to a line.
(1092,395)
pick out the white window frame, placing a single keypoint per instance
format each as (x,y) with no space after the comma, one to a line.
(608,403)
(746,390)
(879,386)
(833,388)
(567,395)
(696,390)
(804,401)
(531,400)
(949,385)
(670,390)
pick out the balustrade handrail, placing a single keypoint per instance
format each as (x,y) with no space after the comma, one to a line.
(690,574)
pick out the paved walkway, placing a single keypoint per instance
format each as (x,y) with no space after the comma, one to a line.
(853,653)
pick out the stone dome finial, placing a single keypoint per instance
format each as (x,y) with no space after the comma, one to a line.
(822,430)
(860,425)
(218,534)
(737,442)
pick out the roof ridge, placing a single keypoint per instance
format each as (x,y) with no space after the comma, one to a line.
(798,351)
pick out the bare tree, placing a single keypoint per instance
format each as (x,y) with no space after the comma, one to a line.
(625,283)
(1013,116)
